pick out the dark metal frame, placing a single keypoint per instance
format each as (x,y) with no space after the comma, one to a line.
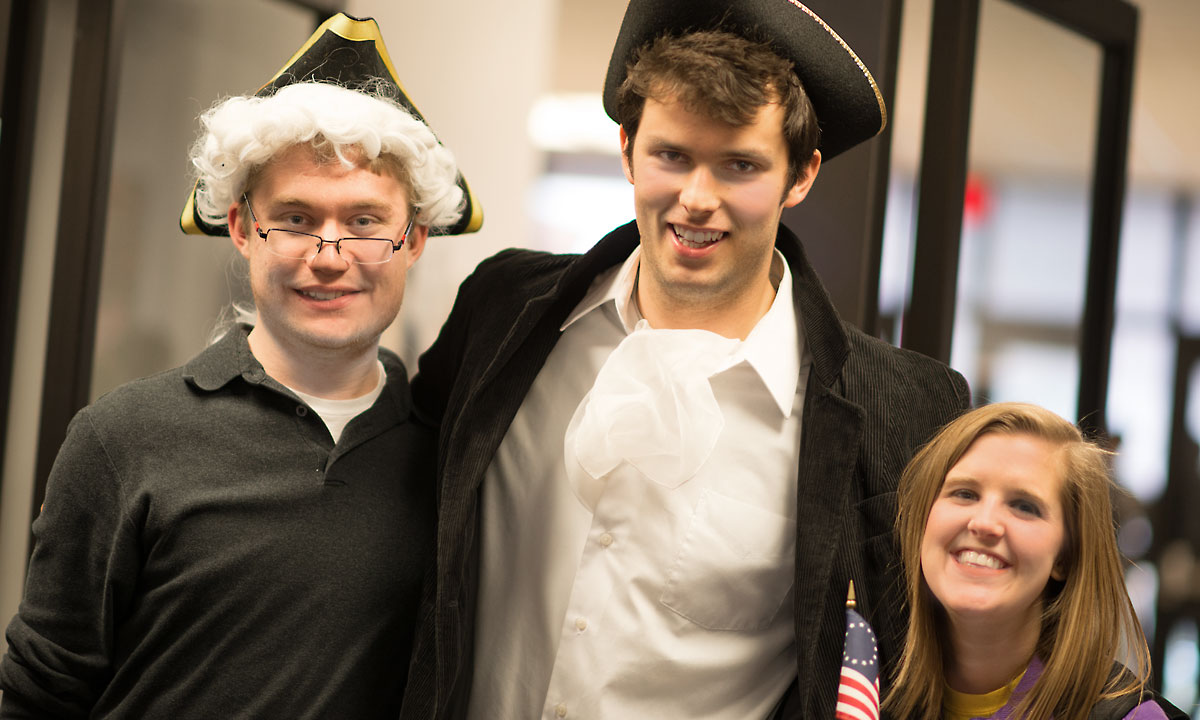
(83,207)
(929,321)
(842,218)
(22,38)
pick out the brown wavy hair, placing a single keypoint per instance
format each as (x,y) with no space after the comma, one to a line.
(1087,619)
(725,77)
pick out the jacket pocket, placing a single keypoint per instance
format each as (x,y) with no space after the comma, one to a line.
(734,566)
(878,514)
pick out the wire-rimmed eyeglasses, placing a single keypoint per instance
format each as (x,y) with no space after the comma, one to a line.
(296,245)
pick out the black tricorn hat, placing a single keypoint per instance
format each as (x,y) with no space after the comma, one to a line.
(845,97)
(348,51)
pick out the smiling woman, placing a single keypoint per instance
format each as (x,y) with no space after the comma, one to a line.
(994,539)
(1013,576)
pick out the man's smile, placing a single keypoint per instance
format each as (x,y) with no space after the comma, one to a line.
(325,294)
(696,239)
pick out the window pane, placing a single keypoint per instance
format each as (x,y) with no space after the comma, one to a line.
(162,291)
(1024,254)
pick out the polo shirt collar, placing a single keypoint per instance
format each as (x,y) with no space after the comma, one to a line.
(227,358)
(230,358)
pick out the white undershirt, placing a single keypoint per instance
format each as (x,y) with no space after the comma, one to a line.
(336,414)
(625,596)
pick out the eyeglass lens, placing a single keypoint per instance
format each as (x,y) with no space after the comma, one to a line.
(299,246)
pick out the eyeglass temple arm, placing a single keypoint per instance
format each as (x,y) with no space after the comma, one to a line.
(257,229)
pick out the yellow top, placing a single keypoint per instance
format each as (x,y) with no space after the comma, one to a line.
(964,706)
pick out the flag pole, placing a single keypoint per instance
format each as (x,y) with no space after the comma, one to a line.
(858,690)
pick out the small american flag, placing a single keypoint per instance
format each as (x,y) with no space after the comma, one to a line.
(858,691)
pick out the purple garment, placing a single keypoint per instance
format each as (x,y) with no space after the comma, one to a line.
(1148,710)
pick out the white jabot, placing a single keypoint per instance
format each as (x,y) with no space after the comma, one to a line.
(640,563)
(652,407)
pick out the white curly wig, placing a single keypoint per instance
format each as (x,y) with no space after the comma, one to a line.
(241,134)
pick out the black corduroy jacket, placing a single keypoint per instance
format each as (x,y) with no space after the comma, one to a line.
(868,406)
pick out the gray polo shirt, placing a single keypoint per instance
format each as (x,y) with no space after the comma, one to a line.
(206,550)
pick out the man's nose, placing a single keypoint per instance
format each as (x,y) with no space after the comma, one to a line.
(699,194)
(327,257)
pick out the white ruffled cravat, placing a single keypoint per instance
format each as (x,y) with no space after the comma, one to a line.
(651,406)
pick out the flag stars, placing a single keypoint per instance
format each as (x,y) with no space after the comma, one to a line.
(858,690)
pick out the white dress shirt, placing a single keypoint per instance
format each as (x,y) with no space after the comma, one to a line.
(618,581)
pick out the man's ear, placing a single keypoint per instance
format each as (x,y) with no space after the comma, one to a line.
(799,191)
(626,154)
(415,243)
(237,230)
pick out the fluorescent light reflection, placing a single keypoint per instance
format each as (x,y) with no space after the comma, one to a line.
(1180,665)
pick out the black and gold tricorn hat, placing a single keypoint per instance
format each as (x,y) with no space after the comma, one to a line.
(847,101)
(350,52)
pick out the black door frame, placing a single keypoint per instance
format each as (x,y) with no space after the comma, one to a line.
(929,321)
(21,36)
(841,220)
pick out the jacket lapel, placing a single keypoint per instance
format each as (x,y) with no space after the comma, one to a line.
(480,422)
(491,405)
(830,440)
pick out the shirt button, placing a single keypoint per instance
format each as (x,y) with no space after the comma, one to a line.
(301,410)
(560,710)
(580,624)
(606,540)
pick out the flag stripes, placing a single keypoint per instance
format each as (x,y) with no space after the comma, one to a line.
(858,697)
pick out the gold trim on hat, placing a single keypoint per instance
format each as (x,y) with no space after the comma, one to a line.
(866,73)
(356,30)
(187,220)
(351,29)
(476,220)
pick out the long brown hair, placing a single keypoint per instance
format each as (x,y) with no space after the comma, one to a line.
(1087,619)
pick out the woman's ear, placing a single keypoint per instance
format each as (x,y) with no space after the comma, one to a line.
(1059,571)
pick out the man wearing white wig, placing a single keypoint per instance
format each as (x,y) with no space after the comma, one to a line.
(246,536)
